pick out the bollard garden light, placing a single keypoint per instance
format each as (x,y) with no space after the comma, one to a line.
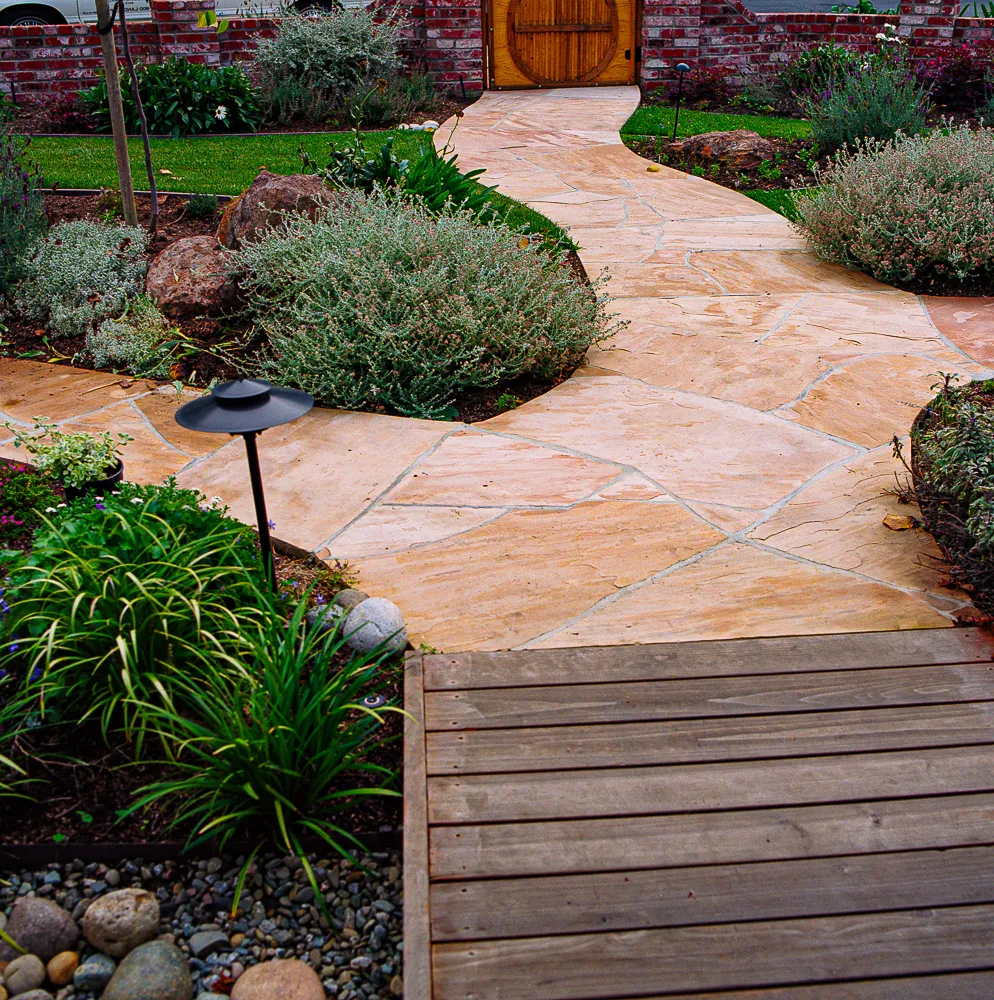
(681,68)
(247,406)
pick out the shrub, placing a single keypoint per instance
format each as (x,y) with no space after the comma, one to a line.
(119,593)
(24,497)
(956,74)
(81,273)
(182,98)
(67,113)
(71,459)
(378,303)
(953,463)
(140,340)
(275,744)
(22,209)
(705,85)
(911,212)
(398,100)
(315,64)
(201,206)
(877,100)
(817,70)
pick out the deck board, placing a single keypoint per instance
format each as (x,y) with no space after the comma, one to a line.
(802,818)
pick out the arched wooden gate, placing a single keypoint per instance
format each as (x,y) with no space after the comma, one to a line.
(550,43)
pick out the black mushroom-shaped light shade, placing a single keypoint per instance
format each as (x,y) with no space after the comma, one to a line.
(243,406)
(247,406)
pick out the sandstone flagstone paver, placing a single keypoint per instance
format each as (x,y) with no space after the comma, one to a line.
(720,468)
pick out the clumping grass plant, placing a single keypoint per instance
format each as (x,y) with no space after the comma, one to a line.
(380,304)
(117,596)
(272,739)
(22,209)
(916,212)
(81,273)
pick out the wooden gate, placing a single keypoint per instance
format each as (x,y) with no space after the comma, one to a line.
(554,43)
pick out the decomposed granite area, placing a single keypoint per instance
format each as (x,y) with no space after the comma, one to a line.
(721,468)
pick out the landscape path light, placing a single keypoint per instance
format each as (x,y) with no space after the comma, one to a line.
(247,406)
(681,68)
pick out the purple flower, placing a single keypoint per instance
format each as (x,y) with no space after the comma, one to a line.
(319,599)
(99,506)
(272,524)
(36,673)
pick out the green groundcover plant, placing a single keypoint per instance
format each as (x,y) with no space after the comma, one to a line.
(81,273)
(182,98)
(141,340)
(272,736)
(117,595)
(24,497)
(380,304)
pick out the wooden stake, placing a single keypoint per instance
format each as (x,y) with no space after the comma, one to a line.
(105,25)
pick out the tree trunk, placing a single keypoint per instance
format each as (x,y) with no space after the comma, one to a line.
(152,192)
(105,25)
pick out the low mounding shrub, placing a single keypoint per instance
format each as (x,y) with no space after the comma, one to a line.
(315,65)
(913,212)
(952,456)
(272,738)
(380,304)
(120,592)
(182,98)
(139,340)
(81,273)
(22,210)
(816,70)
(876,100)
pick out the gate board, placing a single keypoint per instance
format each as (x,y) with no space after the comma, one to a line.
(640,822)
(555,43)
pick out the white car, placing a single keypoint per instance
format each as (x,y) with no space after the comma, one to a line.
(85,11)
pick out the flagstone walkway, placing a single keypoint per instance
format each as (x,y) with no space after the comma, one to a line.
(720,469)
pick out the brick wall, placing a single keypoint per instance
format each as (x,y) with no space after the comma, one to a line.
(446,36)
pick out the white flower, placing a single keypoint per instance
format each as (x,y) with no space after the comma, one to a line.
(136,500)
(221,113)
(61,505)
(98,499)
(51,510)
(216,500)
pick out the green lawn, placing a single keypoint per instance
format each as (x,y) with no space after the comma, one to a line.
(224,164)
(784,202)
(214,164)
(649,119)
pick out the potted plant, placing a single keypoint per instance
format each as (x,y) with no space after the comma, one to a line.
(82,463)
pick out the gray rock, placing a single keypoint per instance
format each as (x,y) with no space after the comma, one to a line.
(325,618)
(41,928)
(153,971)
(373,622)
(24,974)
(121,920)
(348,599)
(94,974)
(205,943)
(191,277)
(34,995)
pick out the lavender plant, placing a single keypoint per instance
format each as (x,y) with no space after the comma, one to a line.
(380,304)
(914,212)
(22,211)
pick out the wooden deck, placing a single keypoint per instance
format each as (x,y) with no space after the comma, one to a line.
(763,819)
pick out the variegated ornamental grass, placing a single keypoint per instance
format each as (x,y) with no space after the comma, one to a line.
(917,212)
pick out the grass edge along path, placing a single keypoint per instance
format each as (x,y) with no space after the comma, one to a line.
(649,120)
(227,164)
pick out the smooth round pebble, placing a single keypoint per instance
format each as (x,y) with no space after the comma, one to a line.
(120,921)
(24,974)
(282,979)
(41,927)
(94,974)
(34,995)
(375,622)
(61,968)
(156,969)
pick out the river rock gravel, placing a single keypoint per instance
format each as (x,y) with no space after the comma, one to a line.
(357,956)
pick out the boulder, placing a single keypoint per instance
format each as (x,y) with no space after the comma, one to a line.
(121,920)
(261,206)
(35,995)
(62,967)
(94,974)
(737,150)
(191,278)
(281,979)
(153,971)
(40,927)
(374,621)
(24,974)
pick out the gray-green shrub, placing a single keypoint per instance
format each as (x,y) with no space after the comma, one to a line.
(137,340)
(22,209)
(315,63)
(81,273)
(910,212)
(877,99)
(378,304)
